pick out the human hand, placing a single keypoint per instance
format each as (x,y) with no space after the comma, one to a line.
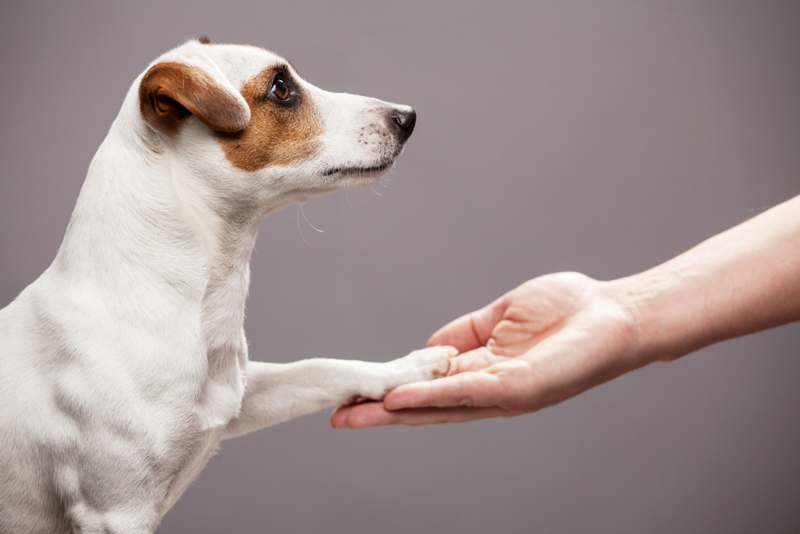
(543,342)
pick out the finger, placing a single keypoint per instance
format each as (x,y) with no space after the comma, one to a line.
(470,331)
(339,416)
(465,389)
(373,414)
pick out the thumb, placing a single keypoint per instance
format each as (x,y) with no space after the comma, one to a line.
(472,330)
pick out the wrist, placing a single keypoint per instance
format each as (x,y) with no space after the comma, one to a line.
(738,282)
(666,321)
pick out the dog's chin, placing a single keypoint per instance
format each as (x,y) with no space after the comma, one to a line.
(358,175)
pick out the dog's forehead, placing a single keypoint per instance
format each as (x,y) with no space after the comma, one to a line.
(242,63)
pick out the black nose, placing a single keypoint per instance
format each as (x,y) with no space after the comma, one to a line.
(405,119)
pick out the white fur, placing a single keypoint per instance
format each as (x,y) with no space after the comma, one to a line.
(125,363)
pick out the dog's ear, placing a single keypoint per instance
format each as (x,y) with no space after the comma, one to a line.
(170,91)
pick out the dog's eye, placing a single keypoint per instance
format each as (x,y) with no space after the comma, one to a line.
(280,89)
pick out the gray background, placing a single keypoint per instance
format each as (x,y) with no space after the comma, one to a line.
(603,137)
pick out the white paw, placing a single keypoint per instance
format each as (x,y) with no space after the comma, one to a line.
(426,364)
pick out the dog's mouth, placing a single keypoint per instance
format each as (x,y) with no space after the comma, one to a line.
(355,171)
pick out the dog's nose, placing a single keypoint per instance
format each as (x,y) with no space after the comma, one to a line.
(405,119)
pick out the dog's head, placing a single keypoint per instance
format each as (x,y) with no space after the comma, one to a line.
(243,121)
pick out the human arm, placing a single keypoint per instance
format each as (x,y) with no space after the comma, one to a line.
(558,335)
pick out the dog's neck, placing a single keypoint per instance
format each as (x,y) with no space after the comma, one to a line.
(154,229)
(141,233)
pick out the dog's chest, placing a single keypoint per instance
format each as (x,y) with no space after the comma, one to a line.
(221,393)
(219,401)
(225,346)
(203,450)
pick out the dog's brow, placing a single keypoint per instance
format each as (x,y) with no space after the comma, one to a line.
(282,68)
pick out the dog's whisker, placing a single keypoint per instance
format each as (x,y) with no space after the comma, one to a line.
(347,196)
(303,211)
(300,228)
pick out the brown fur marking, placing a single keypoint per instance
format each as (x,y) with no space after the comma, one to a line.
(276,135)
(170,91)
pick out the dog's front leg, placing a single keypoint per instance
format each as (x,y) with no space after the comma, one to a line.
(279,392)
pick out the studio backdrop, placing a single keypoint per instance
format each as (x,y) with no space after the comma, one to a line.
(600,137)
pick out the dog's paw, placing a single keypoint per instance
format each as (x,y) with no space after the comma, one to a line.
(426,364)
(419,366)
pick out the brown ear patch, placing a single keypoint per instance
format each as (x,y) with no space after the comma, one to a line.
(170,91)
(276,135)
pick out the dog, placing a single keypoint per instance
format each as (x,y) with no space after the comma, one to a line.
(125,364)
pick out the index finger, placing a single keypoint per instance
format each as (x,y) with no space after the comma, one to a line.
(374,414)
(464,389)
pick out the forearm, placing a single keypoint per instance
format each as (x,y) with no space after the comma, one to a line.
(741,281)
(279,392)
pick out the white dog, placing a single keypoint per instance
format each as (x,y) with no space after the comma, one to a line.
(125,363)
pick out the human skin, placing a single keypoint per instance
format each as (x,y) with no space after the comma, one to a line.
(558,335)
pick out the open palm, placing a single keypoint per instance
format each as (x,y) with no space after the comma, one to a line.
(543,342)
